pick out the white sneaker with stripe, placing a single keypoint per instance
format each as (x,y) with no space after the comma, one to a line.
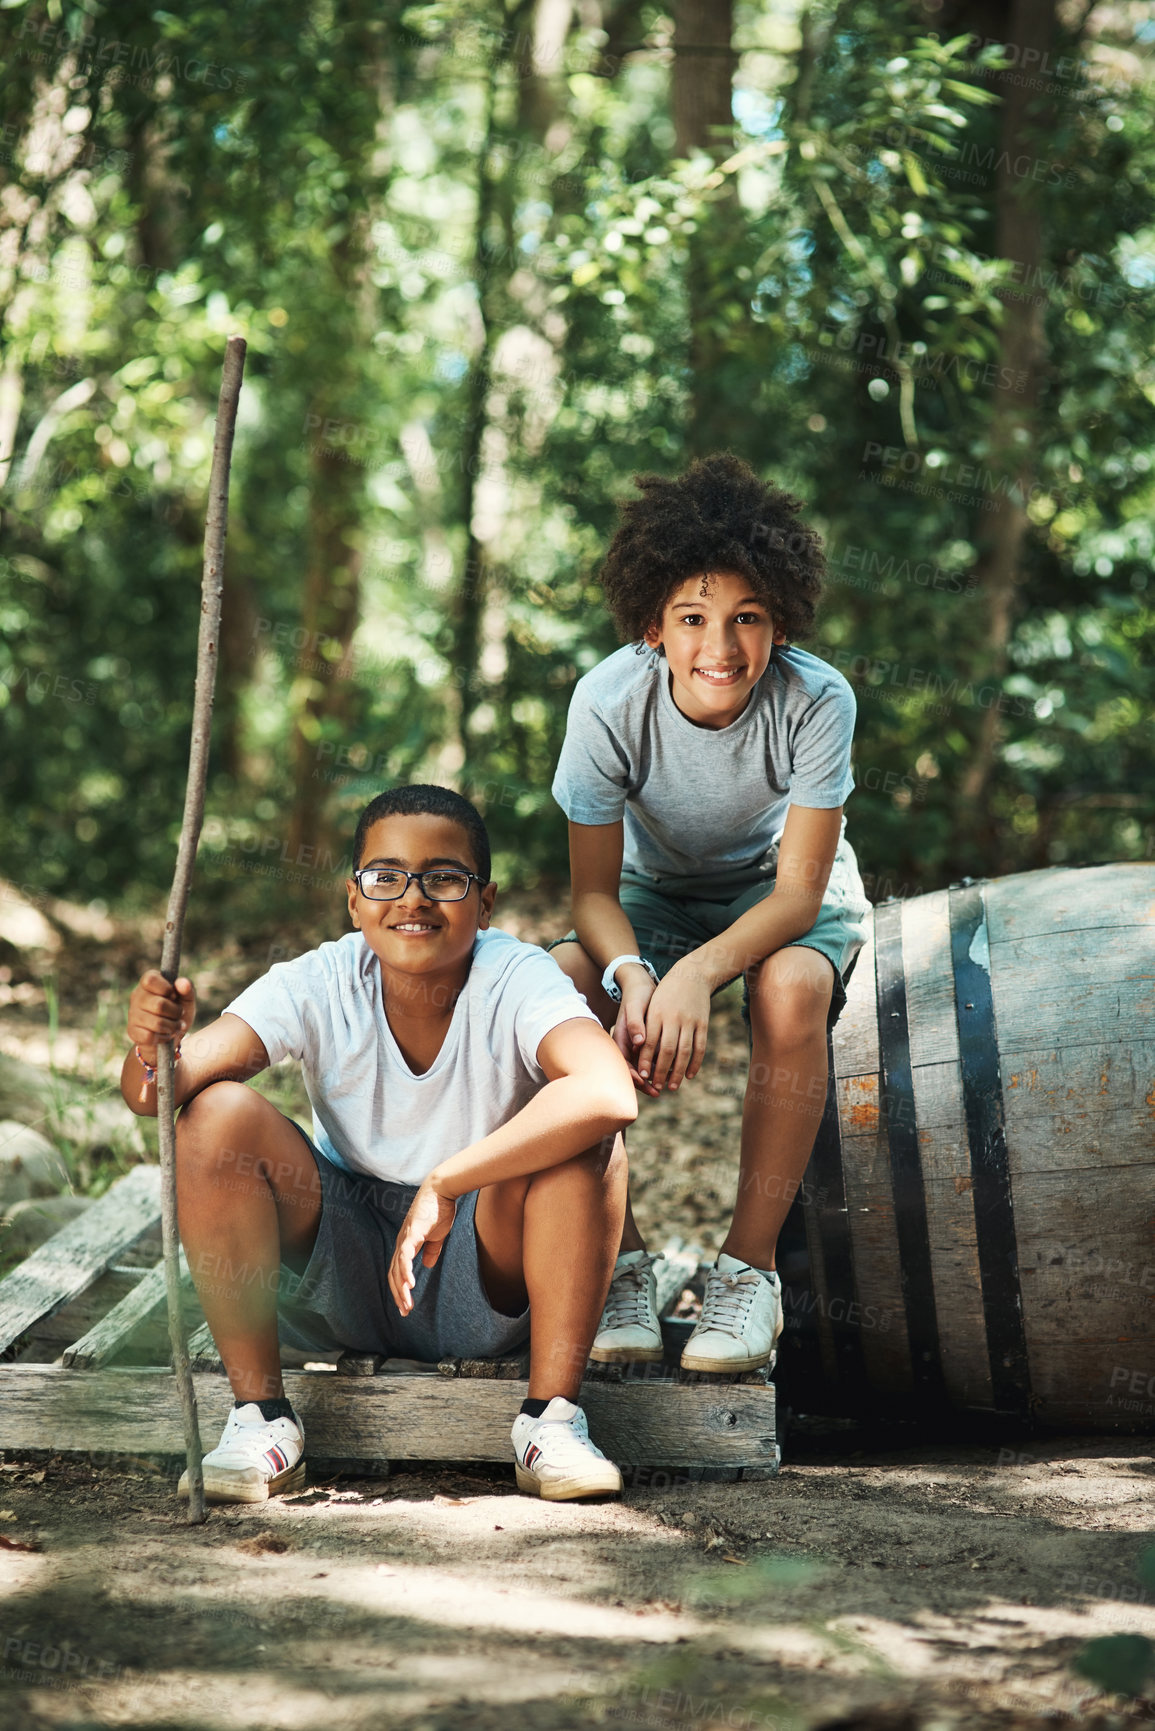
(556,1459)
(256,1458)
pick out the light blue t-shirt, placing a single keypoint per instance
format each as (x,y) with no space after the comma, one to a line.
(697,800)
(371,1113)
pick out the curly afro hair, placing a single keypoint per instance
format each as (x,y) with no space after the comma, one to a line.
(718,516)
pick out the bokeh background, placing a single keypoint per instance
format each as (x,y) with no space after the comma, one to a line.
(491,260)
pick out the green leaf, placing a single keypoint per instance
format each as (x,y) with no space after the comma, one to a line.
(915,175)
(1121,1664)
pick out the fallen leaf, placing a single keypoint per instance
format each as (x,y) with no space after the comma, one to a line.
(741,1561)
(7,1514)
(7,1544)
(260,1543)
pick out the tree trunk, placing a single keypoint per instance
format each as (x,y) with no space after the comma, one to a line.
(702,101)
(471,592)
(329,611)
(322,699)
(1013,434)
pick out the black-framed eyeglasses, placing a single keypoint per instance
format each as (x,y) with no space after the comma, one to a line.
(439,884)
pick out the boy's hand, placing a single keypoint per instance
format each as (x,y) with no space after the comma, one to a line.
(159,1011)
(427,1224)
(676,1021)
(630,1028)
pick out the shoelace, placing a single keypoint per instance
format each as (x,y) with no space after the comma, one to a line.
(627,1301)
(727,1301)
(559,1441)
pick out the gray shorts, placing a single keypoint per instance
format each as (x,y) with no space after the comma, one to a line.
(342,1299)
(672,916)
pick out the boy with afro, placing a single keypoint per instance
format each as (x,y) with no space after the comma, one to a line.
(704,771)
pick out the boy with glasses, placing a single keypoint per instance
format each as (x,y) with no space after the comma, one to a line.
(704,771)
(465,1173)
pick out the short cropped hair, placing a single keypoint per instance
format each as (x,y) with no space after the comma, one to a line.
(426,800)
(717,516)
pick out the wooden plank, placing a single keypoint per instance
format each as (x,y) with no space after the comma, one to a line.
(1082,1208)
(1097,953)
(202,1350)
(1095,1385)
(855,1037)
(930,1005)
(946,1166)
(858,1103)
(1060,899)
(1086,1298)
(1076,1235)
(74,1257)
(136,1310)
(1081,1141)
(679,1265)
(655,1424)
(870,1210)
(1041,1080)
(65,1325)
(1041,1007)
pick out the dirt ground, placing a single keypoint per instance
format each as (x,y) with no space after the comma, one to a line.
(886,1578)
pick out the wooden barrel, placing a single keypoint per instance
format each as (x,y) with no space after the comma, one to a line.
(976,1229)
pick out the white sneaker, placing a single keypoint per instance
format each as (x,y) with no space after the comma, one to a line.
(556,1459)
(740,1322)
(256,1458)
(630,1332)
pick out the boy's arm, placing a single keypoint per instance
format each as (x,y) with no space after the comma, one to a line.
(588,1097)
(226,1051)
(679,1011)
(604,929)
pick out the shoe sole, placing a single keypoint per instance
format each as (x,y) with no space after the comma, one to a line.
(565,1490)
(246,1484)
(718,1365)
(626,1354)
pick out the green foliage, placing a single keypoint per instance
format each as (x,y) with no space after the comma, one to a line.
(1121,1664)
(442,260)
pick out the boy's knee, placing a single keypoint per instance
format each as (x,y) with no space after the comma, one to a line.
(573,961)
(206,1121)
(787,1008)
(606,1160)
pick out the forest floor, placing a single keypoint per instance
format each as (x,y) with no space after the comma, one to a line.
(888,1578)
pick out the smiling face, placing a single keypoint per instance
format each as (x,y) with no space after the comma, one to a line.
(717,646)
(415,936)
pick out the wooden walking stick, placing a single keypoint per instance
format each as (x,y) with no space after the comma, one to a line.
(212,583)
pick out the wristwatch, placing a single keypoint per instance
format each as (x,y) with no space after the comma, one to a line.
(610,986)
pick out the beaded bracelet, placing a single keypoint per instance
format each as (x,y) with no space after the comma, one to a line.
(149,1070)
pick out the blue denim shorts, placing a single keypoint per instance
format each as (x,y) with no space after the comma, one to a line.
(342,1300)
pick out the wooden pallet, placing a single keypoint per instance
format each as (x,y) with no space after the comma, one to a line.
(84,1335)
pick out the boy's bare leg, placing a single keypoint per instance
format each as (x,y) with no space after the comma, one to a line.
(552,1239)
(790,996)
(571,958)
(248,1196)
